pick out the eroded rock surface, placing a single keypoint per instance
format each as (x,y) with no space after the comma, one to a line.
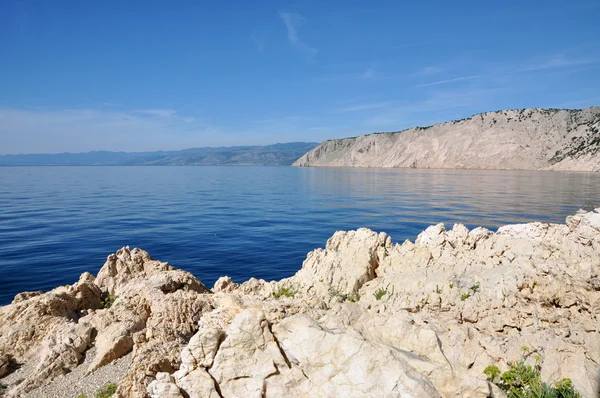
(527,139)
(363,317)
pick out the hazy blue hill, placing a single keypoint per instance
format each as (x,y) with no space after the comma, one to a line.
(271,155)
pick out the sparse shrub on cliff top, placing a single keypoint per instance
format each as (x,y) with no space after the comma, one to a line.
(524,381)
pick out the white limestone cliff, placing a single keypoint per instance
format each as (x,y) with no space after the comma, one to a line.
(528,139)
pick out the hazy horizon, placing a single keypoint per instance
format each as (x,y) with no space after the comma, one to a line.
(135,77)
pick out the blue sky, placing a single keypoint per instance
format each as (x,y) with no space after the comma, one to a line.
(148,75)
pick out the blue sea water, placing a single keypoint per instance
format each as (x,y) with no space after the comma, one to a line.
(57,222)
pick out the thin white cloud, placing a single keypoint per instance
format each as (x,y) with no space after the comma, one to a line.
(559,61)
(80,130)
(157,112)
(440,106)
(428,71)
(258,42)
(456,79)
(366,106)
(292,22)
(369,73)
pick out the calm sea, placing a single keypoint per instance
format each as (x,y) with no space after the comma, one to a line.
(56,222)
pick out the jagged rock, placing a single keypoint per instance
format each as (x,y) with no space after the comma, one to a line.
(125,265)
(4,363)
(170,302)
(224,284)
(60,352)
(344,364)
(200,351)
(489,294)
(198,384)
(25,296)
(247,356)
(349,260)
(26,322)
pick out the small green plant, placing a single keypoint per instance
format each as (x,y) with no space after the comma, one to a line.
(491,372)
(107,300)
(464,296)
(380,293)
(67,286)
(524,381)
(333,292)
(475,287)
(107,392)
(437,290)
(451,284)
(82,396)
(284,291)
(355,298)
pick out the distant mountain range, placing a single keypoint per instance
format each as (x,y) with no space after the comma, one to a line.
(270,155)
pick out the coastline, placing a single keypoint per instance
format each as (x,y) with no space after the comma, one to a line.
(445,306)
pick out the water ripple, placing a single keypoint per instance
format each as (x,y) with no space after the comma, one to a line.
(56,222)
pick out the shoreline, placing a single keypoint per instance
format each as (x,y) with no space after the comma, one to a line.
(445,306)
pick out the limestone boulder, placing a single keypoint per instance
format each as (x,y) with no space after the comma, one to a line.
(247,357)
(343,363)
(163,387)
(349,260)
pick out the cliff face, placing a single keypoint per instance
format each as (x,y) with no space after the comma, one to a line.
(529,139)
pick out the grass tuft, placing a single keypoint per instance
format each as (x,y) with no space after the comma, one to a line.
(284,291)
(380,293)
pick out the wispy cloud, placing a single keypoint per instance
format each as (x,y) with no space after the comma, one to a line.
(78,130)
(369,72)
(557,61)
(456,79)
(258,42)
(366,106)
(292,22)
(111,104)
(439,106)
(157,112)
(428,71)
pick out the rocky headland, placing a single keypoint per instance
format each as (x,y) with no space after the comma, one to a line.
(363,317)
(527,139)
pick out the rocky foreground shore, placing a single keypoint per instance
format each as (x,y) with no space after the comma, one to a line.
(363,317)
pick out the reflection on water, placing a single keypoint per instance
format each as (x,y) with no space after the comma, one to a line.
(56,222)
(473,197)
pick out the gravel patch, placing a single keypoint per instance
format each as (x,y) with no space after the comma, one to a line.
(75,383)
